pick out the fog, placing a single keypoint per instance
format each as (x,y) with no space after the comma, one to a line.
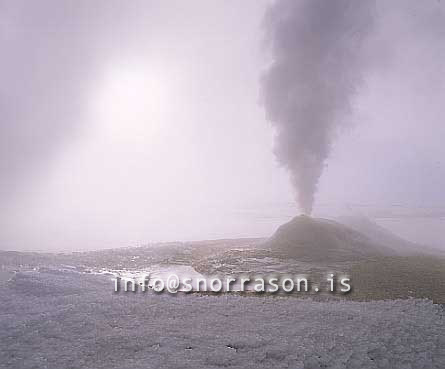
(123,124)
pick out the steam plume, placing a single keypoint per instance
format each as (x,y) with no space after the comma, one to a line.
(315,71)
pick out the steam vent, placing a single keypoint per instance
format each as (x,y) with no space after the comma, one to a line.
(322,240)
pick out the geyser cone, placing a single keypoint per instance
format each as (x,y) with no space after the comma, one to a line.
(317,239)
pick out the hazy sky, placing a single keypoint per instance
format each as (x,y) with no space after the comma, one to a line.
(123,123)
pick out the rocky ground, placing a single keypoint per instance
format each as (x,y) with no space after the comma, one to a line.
(58,312)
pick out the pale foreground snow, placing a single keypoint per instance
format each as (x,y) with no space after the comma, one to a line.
(65,320)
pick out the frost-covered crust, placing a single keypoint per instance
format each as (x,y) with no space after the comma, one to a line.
(67,320)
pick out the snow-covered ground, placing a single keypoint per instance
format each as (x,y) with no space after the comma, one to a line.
(62,319)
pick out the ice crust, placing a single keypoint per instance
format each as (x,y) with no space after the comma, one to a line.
(66,320)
